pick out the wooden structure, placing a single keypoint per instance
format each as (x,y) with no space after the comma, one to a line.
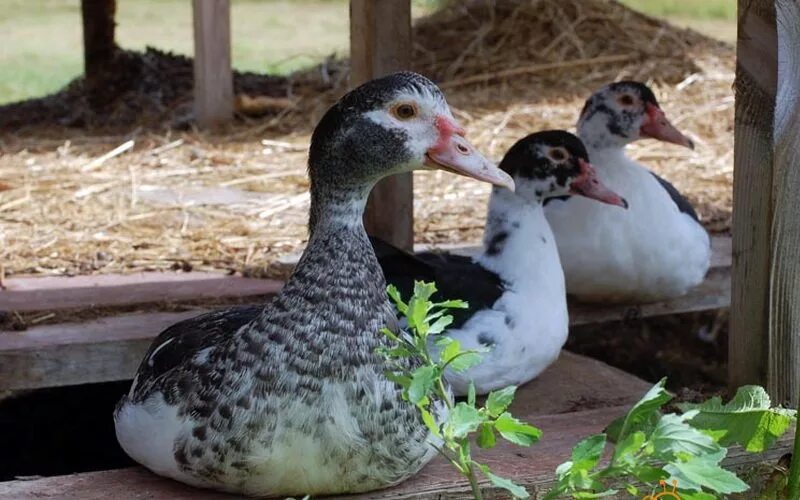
(765,312)
(213,74)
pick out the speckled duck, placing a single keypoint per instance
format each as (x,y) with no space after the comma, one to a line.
(289,398)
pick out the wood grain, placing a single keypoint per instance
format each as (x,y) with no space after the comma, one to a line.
(783,377)
(52,293)
(380,44)
(756,76)
(213,76)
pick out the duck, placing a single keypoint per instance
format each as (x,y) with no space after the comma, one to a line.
(290,398)
(517,314)
(657,250)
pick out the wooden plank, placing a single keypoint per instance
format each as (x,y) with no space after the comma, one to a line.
(765,316)
(213,76)
(713,293)
(380,43)
(103,350)
(98,37)
(60,292)
(531,467)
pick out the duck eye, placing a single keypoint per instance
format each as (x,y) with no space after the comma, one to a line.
(558,154)
(404,111)
(625,99)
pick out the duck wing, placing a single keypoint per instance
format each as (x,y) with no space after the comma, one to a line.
(680,200)
(456,277)
(178,344)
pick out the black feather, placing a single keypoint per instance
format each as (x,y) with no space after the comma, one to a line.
(456,277)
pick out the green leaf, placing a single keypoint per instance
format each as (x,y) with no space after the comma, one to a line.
(642,414)
(591,494)
(486,437)
(417,310)
(394,294)
(440,324)
(401,380)
(628,447)
(498,401)
(452,350)
(673,436)
(471,394)
(443,341)
(747,419)
(516,431)
(563,470)
(649,473)
(588,452)
(510,486)
(452,304)
(462,420)
(464,361)
(423,290)
(422,380)
(704,472)
(696,495)
(430,422)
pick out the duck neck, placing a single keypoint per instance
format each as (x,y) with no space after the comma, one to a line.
(338,208)
(518,242)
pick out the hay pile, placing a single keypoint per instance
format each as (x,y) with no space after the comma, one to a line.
(508,67)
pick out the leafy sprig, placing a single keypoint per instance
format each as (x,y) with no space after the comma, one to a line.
(687,448)
(420,373)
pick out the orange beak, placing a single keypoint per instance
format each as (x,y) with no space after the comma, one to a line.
(657,126)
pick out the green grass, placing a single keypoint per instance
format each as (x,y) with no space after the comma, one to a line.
(41,47)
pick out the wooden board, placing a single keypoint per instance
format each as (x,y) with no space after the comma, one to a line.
(58,292)
(531,467)
(103,350)
(213,76)
(764,346)
(380,44)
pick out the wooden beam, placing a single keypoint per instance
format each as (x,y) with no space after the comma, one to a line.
(380,44)
(765,304)
(213,76)
(52,293)
(532,468)
(99,47)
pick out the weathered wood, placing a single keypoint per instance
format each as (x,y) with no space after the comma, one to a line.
(98,36)
(57,292)
(531,467)
(213,76)
(380,43)
(103,350)
(765,316)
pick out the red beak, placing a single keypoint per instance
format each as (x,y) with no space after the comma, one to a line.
(454,153)
(657,126)
(587,184)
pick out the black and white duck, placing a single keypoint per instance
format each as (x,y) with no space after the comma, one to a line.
(515,288)
(656,250)
(290,398)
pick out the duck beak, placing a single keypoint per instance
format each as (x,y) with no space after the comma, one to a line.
(658,127)
(587,184)
(452,152)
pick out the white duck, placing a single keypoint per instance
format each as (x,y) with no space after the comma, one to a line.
(290,398)
(515,289)
(657,249)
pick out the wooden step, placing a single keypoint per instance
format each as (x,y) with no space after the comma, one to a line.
(531,467)
(50,293)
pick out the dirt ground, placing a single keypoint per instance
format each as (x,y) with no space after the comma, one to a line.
(236,200)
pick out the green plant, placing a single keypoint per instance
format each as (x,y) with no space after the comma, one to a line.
(421,375)
(687,448)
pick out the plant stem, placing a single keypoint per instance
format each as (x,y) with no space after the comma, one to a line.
(443,393)
(473,483)
(794,471)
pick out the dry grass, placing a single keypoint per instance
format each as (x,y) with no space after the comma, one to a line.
(228,201)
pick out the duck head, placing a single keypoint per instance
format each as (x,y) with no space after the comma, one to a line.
(623,112)
(555,163)
(390,125)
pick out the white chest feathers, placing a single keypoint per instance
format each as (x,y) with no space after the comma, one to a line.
(651,251)
(527,326)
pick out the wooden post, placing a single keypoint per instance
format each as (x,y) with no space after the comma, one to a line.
(765,304)
(213,76)
(98,45)
(380,43)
